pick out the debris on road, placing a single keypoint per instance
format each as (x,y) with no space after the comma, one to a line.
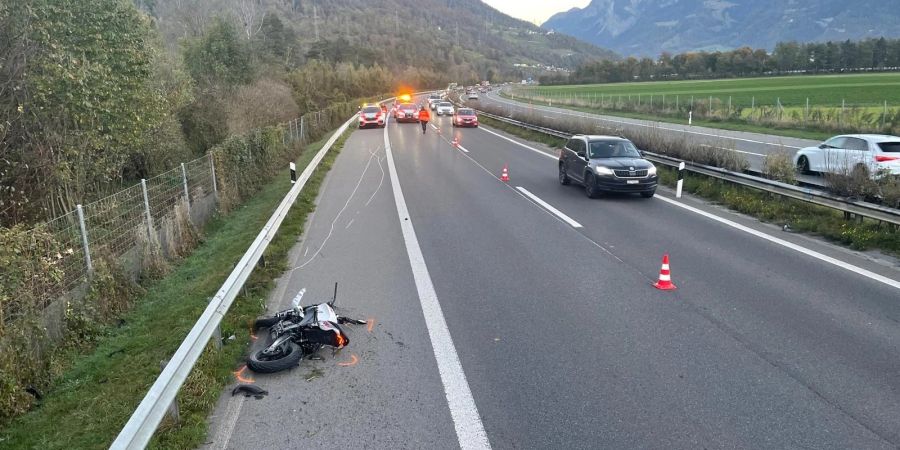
(249,390)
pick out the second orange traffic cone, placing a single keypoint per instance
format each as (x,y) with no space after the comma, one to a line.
(504,176)
(665,276)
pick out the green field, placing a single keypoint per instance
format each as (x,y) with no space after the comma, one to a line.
(821,90)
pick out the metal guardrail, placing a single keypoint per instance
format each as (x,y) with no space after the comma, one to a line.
(146,418)
(814,196)
(143,423)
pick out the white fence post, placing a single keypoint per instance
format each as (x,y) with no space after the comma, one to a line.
(212,170)
(187,195)
(147,209)
(302,128)
(84,240)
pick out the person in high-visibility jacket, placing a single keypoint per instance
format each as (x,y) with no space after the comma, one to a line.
(424,117)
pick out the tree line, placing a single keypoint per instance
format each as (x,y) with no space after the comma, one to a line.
(96,94)
(787,57)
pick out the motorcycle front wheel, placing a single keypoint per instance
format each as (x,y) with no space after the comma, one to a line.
(286,357)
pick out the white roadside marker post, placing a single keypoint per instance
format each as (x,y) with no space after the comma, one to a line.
(293,173)
(680,180)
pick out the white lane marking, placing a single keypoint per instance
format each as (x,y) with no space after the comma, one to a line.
(549,207)
(230,419)
(825,258)
(462,148)
(349,223)
(732,150)
(306,251)
(433,126)
(647,125)
(542,153)
(469,429)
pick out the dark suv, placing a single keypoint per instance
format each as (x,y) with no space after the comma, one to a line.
(606,164)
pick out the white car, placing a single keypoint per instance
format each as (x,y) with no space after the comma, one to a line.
(872,155)
(473,96)
(444,109)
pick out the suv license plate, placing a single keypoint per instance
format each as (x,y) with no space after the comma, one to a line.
(632,182)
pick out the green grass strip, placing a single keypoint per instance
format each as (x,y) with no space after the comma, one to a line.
(716,124)
(92,401)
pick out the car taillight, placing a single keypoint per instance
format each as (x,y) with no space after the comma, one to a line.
(886,158)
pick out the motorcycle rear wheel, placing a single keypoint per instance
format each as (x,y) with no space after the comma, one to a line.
(288,358)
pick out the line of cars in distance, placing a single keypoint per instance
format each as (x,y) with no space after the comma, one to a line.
(405,110)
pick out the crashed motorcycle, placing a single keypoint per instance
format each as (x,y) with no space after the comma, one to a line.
(297,332)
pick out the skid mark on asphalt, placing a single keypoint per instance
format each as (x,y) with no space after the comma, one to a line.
(372,155)
(380,182)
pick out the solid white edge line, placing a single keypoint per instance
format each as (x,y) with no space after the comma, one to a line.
(462,148)
(825,258)
(543,153)
(469,428)
(549,207)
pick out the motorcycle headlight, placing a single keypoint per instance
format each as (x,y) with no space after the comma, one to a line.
(651,171)
(601,170)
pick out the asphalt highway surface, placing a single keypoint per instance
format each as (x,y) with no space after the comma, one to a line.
(752,146)
(522,314)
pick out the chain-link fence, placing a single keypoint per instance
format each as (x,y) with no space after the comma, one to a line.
(115,225)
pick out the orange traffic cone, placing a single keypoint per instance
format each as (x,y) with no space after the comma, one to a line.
(665,277)
(504,176)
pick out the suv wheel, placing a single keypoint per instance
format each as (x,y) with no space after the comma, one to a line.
(590,187)
(563,176)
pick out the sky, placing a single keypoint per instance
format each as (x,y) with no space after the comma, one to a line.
(536,11)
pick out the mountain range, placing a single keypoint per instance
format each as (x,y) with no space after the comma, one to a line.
(649,27)
(466,36)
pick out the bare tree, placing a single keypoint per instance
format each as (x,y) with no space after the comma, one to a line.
(250,14)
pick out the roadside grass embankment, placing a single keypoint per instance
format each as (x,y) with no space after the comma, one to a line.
(857,234)
(809,107)
(89,403)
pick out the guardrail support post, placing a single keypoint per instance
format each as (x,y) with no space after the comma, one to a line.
(173,412)
(147,210)
(84,240)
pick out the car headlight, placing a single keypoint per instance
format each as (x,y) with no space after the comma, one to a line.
(651,171)
(601,170)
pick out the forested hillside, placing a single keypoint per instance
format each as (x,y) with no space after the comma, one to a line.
(98,93)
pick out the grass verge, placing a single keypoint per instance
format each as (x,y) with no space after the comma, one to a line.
(93,400)
(800,216)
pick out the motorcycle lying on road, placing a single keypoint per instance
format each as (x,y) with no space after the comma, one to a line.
(297,332)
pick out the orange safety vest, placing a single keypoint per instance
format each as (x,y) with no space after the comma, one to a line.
(424,115)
